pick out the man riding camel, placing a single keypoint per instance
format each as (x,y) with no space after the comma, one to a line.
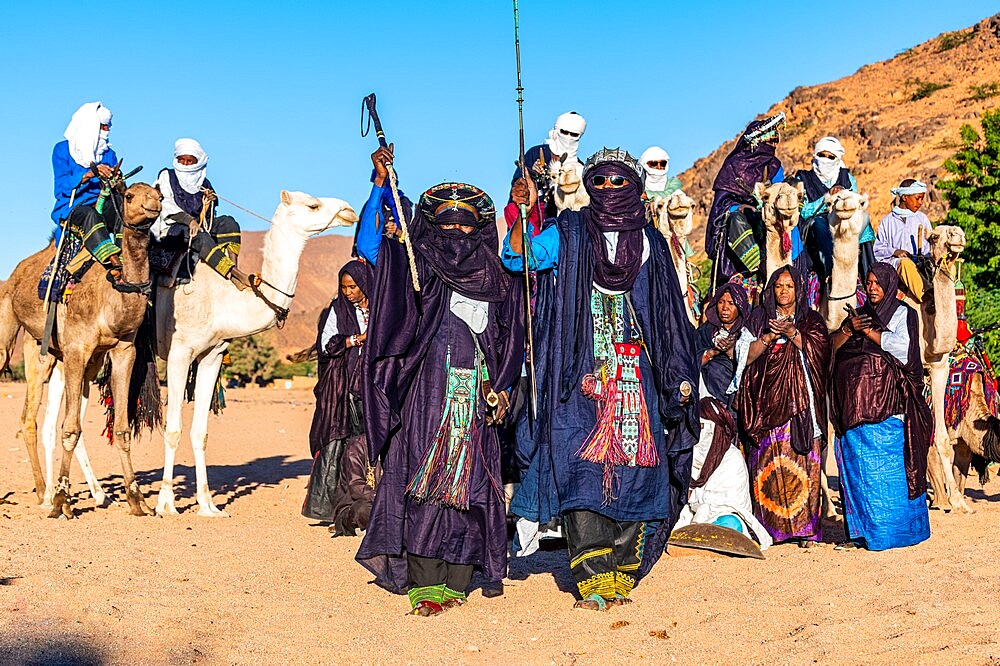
(86,144)
(188,214)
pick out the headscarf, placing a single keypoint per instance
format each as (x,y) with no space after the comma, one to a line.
(769,302)
(562,144)
(615,210)
(656,179)
(739,296)
(190,177)
(914,187)
(467,263)
(363,276)
(751,161)
(888,279)
(87,141)
(827,169)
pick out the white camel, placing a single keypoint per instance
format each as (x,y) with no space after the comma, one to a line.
(938,335)
(847,217)
(674,219)
(197,321)
(780,211)
(568,178)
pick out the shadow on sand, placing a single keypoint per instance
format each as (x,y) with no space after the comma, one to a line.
(227,482)
(35,650)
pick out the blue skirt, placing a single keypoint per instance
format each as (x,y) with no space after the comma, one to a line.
(873,488)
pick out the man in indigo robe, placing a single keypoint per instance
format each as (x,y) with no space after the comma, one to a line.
(617,417)
(439,367)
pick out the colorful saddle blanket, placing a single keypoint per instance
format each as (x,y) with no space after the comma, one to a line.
(957,393)
(59,273)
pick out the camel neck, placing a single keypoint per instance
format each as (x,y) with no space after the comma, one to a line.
(135,256)
(282,251)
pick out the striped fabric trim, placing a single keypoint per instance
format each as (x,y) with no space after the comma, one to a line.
(602,584)
(624,584)
(450,594)
(586,556)
(104,251)
(433,593)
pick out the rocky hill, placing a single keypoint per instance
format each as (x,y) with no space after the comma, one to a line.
(897,119)
(318,270)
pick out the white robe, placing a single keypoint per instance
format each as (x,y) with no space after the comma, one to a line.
(726,492)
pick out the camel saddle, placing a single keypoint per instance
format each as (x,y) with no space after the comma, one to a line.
(171,260)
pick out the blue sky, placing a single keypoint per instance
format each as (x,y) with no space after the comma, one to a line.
(273,90)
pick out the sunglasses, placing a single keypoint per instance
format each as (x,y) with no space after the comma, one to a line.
(827,156)
(657,164)
(614,181)
(575,135)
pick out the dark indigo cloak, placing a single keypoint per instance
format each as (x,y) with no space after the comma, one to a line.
(404,387)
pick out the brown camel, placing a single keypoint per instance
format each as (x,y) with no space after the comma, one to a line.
(976,437)
(97,319)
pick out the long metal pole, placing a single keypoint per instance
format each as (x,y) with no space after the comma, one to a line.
(525,237)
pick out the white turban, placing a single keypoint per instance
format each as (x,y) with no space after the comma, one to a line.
(656,179)
(563,144)
(190,177)
(916,187)
(825,168)
(87,141)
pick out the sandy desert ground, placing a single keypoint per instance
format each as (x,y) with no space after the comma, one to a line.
(266,587)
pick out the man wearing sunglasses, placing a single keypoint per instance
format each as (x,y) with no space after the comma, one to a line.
(556,162)
(659,185)
(611,450)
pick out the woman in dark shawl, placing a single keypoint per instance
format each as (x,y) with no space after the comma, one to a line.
(782,407)
(725,317)
(882,421)
(439,367)
(337,421)
(734,209)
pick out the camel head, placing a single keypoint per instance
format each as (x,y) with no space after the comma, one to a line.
(947,242)
(568,179)
(309,215)
(780,209)
(142,205)
(676,210)
(848,213)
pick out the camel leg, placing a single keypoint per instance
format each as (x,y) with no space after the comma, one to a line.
(942,442)
(178,363)
(96,490)
(36,371)
(9,326)
(963,460)
(208,371)
(122,360)
(74,363)
(50,427)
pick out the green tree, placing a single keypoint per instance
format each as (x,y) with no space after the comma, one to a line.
(973,198)
(253,359)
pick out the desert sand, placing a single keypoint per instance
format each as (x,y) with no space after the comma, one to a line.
(267,586)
